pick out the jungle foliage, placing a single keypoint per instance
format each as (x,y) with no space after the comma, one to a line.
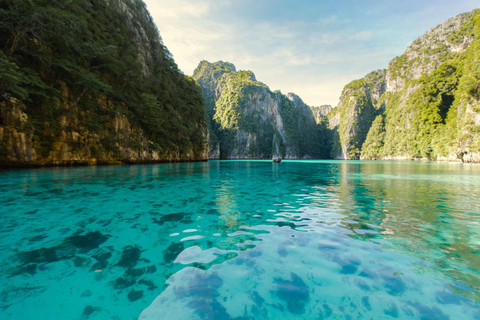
(435,120)
(430,112)
(97,59)
(239,109)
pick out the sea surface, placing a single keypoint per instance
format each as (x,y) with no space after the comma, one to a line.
(241,240)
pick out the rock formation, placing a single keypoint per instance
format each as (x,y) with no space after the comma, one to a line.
(247,120)
(94,84)
(424,106)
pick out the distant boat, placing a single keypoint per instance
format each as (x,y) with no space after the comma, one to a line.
(276,159)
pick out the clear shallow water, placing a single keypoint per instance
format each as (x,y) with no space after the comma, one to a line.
(241,240)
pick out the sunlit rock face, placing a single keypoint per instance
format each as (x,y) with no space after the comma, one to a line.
(248,120)
(425,105)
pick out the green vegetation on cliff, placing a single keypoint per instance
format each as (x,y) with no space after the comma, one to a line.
(373,145)
(433,116)
(247,120)
(307,138)
(357,109)
(426,104)
(229,107)
(92,61)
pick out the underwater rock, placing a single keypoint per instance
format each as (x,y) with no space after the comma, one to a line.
(369,274)
(362,285)
(172,251)
(134,295)
(148,283)
(99,265)
(87,242)
(209,309)
(294,292)
(201,285)
(124,282)
(205,286)
(282,248)
(66,250)
(393,282)
(130,257)
(137,272)
(366,303)
(80,261)
(327,246)
(202,289)
(43,255)
(102,260)
(429,313)
(257,298)
(86,293)
(173,217)
(37,238)
(89,310)
(328,310)
(30,269)
(349,264)
(102,256)
(446,297)
(392,310)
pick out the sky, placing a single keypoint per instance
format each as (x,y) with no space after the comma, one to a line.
(310,47)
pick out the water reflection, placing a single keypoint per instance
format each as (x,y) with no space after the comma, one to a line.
(374,238)
(427,210)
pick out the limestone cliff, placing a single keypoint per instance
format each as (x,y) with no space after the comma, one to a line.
(351,120)
(320,113)
(424,106)
(247,120)
(93,85)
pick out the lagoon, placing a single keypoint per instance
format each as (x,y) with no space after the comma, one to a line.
(241,240)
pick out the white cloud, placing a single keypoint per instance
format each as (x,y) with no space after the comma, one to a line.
(314,58)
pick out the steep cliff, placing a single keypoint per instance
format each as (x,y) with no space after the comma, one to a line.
(320,113)
(90,81)
(351,120)
(426,104)
(247,120)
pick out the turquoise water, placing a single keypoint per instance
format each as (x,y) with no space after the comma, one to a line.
(241,240)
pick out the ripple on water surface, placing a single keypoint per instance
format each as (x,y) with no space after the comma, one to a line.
(241,240)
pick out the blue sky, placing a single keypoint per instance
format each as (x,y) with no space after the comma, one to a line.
(311,48)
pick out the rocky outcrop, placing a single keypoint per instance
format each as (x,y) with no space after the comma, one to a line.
(430,50)
(320,113)
(424,106)
(72,97)
(353,117)
(16,143)
(75,145)
(247,120)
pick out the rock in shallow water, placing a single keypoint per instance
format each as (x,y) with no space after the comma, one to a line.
(294,292)
(135,295)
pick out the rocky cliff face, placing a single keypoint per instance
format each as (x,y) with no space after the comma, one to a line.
(424,106)
(70,96)
(351,120)
(247,120)
(320,113)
